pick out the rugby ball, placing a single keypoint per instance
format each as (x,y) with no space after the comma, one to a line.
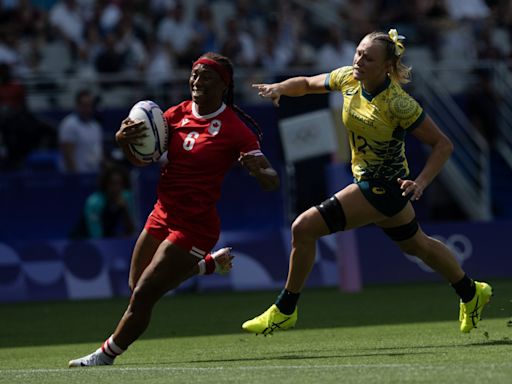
(154,144)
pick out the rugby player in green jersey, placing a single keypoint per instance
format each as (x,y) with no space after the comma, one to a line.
(377,114)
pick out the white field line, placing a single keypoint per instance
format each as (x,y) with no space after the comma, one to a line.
(243,368)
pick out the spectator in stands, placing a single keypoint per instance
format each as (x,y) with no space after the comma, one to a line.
(483,104)
(20,131)
(272,56)
(67,20)
(10,51)
(239,44)
(204,28)
(110,16)
(12,92)
(81,136)
(110,59)
(208,135)
(90,48)
(130,44)
(175,30)
(358,17)
(110,211)
(434,20)
(335,50)
(378,114)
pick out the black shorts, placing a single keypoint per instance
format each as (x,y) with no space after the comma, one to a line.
(384,195)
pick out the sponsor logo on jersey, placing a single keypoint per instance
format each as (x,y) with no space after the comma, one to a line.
(184,121)
(350,92)
(378,191)
(214,127)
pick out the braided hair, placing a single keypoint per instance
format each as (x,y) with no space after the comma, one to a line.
(229,95)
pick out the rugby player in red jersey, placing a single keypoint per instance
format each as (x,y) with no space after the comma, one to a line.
(207,135)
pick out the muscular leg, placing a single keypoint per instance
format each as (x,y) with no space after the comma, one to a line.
(169,267)
(306,230)
(431,251)
(143,253)
(310,226)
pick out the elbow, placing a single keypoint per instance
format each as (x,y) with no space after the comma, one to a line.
(448,147)
(443,147)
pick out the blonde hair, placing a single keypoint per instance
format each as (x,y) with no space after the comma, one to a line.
(394,51)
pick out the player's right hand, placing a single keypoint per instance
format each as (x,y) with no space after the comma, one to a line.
(131,131)
(269,91)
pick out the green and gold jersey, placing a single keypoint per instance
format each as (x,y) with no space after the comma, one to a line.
(376,125)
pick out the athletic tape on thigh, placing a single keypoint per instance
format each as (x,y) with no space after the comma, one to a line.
(403,232)
(333,214)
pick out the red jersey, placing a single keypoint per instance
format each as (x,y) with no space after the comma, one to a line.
(201,150)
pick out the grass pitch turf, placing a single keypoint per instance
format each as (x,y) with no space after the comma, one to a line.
(385,334)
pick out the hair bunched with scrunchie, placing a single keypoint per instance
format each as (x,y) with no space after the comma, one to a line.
(395,49)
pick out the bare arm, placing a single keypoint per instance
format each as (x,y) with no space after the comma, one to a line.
(295,86)
(428,133)
(259,167)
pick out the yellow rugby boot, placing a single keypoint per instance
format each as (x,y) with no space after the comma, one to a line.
(269,321)
(471,312)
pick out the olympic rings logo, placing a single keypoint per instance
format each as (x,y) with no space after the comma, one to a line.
(459,244)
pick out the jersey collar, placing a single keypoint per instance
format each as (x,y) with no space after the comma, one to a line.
(210,115)
(370,96)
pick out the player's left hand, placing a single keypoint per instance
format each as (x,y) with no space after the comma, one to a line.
(260,168)
(223,260)
(256,165)
(411,188)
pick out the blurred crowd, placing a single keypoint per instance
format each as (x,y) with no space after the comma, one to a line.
(154,42)
(86,44)
(154,38)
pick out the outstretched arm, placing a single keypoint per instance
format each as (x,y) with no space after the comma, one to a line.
(259,167)
(295,86)
(428,133)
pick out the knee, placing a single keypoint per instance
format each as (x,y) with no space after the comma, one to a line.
(303,229)
(143,297)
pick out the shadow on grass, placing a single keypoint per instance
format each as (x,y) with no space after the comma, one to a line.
(337,354)
(306,357)
(389,352)
(189,314)
(486,343)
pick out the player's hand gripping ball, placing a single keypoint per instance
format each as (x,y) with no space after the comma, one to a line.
(153,144)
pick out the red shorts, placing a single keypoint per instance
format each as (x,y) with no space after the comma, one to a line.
(196,241)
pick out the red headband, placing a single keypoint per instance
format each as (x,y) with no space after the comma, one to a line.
(219,68)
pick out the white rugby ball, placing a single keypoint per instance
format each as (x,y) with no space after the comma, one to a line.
(154,144)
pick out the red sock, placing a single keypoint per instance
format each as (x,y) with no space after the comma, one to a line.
(111,349)
(206,265)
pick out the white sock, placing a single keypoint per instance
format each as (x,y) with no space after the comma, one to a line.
(110,348)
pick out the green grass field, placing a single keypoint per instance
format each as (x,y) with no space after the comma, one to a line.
(386,334)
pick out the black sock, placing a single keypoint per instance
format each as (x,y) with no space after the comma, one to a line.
(287,301)
(465,288)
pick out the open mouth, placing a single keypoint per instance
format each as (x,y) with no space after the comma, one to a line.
(197,92)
